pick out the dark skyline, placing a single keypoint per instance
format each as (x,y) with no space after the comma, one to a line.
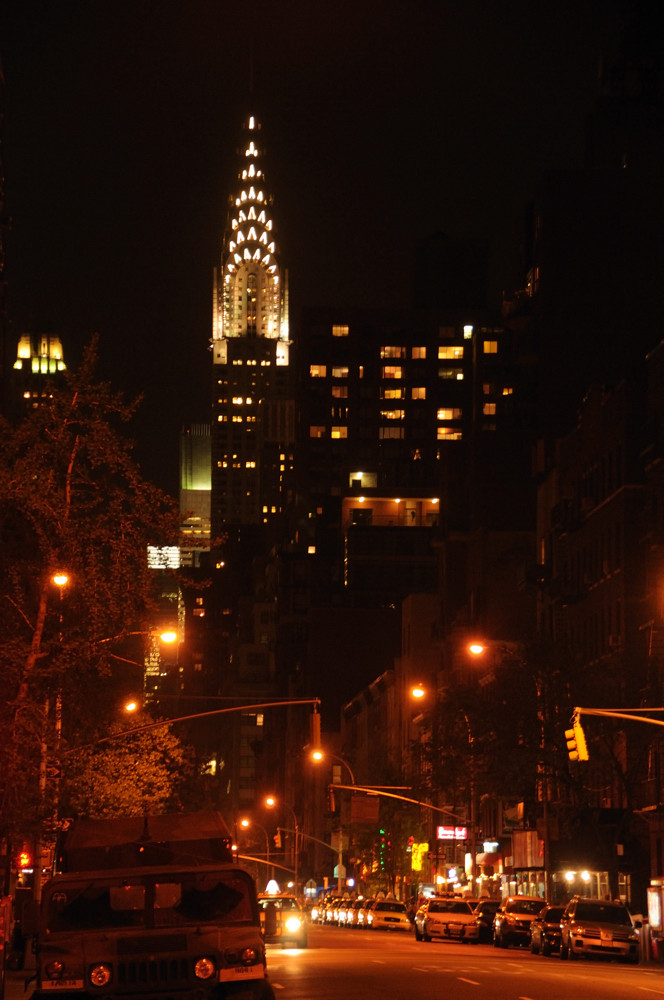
(384,122)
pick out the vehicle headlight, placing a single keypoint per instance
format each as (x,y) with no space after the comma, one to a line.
(55,970)
(293,924)
(100,975)
(204,968)
(314,913)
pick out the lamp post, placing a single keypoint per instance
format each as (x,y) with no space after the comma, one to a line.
(320,755)
(271,802)
(419,692)
(246,824)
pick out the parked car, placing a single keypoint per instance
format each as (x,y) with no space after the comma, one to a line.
(363,913)
(291,921)
(545,930)
(446,919)
(599,927)
(389,915)
(511,924)
(485,911)
(353,912)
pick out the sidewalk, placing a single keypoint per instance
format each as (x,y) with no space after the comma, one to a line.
(15,985)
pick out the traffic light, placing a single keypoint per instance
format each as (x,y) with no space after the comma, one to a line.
(576,741)
(277,840)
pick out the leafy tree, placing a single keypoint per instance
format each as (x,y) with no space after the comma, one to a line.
(132,775)
(71,498)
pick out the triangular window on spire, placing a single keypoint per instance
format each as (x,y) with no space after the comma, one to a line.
(252,213)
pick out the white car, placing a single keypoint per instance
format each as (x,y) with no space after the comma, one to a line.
(446,919)
(388,915)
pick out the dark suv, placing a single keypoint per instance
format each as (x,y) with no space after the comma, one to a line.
(598,927)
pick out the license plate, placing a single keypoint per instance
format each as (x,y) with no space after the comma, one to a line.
(456,928)
(62,984)
(606,937)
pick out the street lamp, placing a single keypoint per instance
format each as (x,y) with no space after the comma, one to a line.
(246,824)
(319,755)
(271,802)
(419,692)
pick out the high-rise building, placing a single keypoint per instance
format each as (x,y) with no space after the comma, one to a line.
(252,405)
(38,367)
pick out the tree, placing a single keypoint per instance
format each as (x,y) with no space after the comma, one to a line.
(72,498)
(132,775)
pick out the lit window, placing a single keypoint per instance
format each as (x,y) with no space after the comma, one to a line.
(316,432)
(339,331)
(449,413)
(450,353)
(392,393)
(507,390)
(237,400)
(490,347)
(393,414)
(487,388)
(393,352)
(419,352)
(317,371)
(448,434)
(339,432)
(489,409)
(391,432)
(340,391)
(392,371)
(467,332)
(418,392)
(450,373)
(237,419)
(340,371)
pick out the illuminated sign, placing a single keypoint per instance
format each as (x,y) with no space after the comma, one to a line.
(452,832)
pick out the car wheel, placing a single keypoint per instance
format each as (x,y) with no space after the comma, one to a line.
(504,942)
(496,942)
(534,950)
(418,936)
(563,950)
(572,955)
(546,949)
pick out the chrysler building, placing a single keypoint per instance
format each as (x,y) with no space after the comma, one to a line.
(252,403)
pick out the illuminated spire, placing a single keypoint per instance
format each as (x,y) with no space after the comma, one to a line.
(250,294)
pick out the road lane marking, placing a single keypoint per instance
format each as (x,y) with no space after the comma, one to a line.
(472,982)
(648,989)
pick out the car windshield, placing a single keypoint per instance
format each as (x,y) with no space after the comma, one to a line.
(279,904)
(553,915)
(524,906)
(601,913)
(449,906)
(390,907)
(145,902)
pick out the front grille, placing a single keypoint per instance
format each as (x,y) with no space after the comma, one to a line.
(154,973)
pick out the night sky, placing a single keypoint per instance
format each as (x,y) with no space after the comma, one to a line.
(384,121)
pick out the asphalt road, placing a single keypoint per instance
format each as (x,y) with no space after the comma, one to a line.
(363,965)
(354,965)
